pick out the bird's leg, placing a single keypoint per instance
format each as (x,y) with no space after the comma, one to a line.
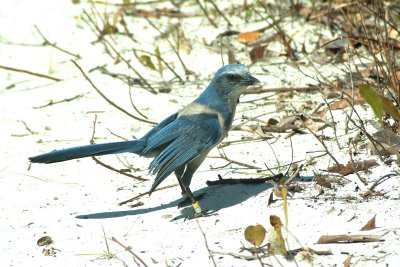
(186,192)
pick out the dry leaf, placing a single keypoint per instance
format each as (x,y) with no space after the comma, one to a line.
(347,262)
(257,53)
(277,192)
(275,238)
(322,181)
(116,17)
(44,241)
(353,167)
(246,37)
(390,108)
(313,125)
(389,140)
(231,57)
(325,239)
(255,234)
(339,104)
(370,225)
(343,103)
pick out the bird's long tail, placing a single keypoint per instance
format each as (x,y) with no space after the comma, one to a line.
(134,146)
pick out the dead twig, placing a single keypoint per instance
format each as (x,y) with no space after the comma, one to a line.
(123,172)
(108,166)
(231,161)
(206,14)
(107,99)
(108,45)
(222,181)
(51,102)
(146,193)
(135,256)
(31,73)
(32,132)
(206,243)
(261,90)
(323,144)
(381,180)
(174,49)
(47,42)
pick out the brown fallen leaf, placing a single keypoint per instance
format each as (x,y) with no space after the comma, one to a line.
(343,103)
(353,167)
(277,191)
(257,53)
(231,57)
(322,181)
(389,140)
(369,225)
(325,239)
(246,37)
(314,125)
(347,261)
(275,238)
(390,108)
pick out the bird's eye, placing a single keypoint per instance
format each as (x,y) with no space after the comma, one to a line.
(232,77)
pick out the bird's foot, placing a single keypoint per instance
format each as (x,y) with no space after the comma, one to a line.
(186,200)
(202,213)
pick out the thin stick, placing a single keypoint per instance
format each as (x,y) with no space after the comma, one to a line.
(220,12)
(205,241)
(105,165)
(31,73)
(47,42)
(107,99)
(145,193)
(221,181)
(280,89)
(51,102)
(129,250)
(118,171)
(323,144)
(206,14)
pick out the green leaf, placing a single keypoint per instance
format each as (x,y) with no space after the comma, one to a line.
(255,234)
(370,96)
(146,60)
(158,55)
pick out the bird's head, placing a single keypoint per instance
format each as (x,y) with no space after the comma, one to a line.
(232,80)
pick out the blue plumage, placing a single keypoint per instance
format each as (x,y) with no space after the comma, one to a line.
(181,142)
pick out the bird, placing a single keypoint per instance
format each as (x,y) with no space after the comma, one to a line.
(180,143)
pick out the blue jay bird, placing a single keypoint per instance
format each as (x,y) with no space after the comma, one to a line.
(181,142)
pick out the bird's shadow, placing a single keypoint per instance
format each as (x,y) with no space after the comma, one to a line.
(214,198)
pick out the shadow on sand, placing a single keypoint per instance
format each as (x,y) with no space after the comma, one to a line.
(215,198)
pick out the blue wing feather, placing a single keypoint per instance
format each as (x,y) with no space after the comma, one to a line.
(185,139)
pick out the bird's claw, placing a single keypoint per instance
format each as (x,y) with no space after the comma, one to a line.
(202,213)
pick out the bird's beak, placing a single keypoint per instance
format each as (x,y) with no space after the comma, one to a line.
(250,80)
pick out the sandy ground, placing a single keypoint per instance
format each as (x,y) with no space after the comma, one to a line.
(76,202)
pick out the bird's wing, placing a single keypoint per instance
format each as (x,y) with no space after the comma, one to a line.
(160,126)
(183,139)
